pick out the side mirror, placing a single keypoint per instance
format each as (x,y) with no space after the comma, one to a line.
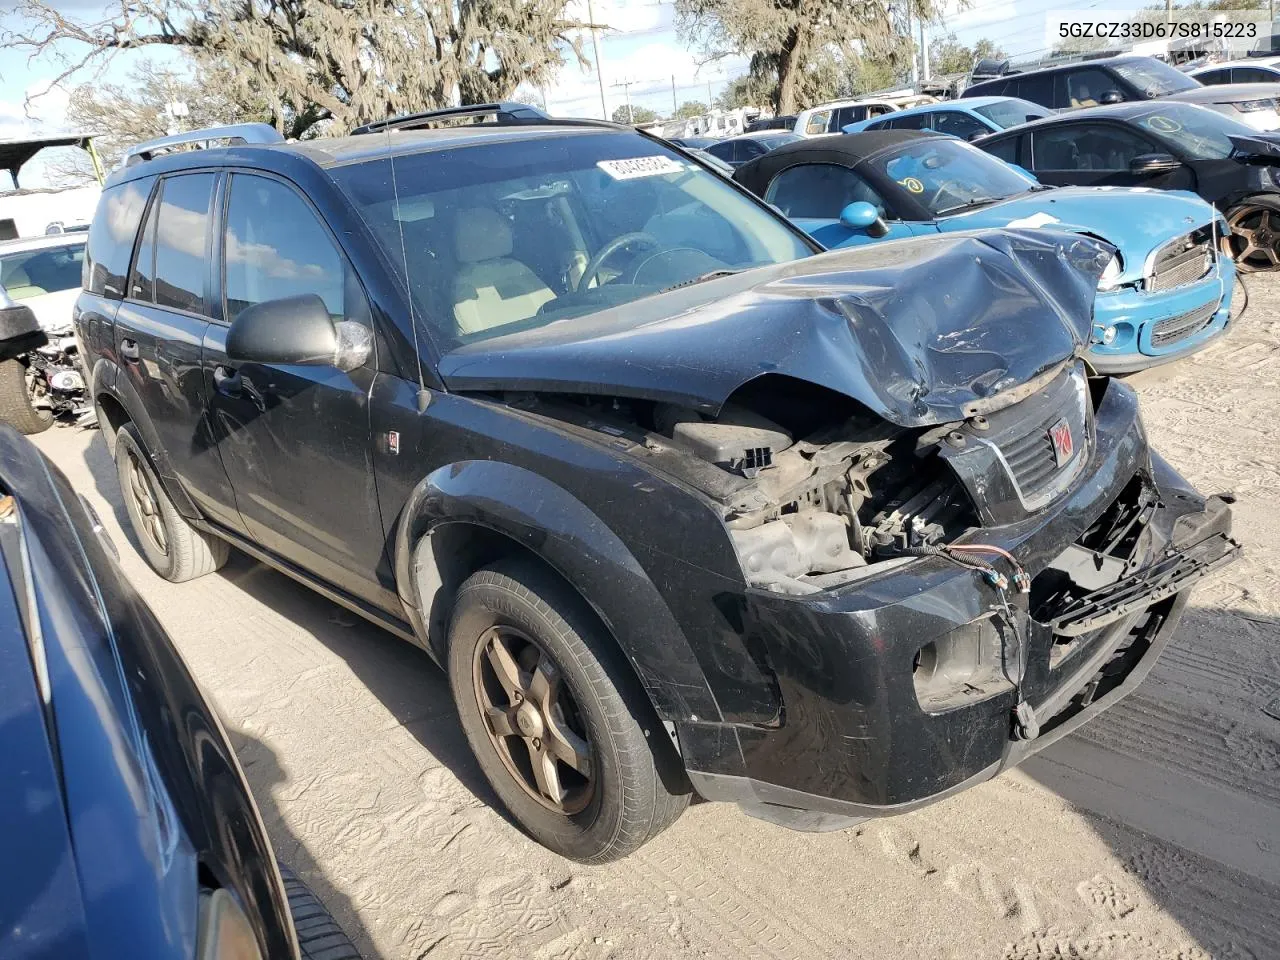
(1112,96)
(977,135)
(297,330)
(1150,164)
(861,215)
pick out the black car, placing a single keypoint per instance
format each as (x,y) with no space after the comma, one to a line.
(1167,145)
(680,504)
(1088,83)
(736,151)
(129,828)
(786,121)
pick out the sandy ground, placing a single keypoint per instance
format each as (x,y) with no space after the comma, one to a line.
(1153,834)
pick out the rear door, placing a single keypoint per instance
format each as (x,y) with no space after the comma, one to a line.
(159,329)
(294,439)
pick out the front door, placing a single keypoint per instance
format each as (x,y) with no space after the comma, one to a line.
(294,439)
(1099,155)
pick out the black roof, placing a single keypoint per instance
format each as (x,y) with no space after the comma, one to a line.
(845,149)
(15,153)
(1015,73)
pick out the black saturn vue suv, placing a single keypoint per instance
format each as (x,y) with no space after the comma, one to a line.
(680,502)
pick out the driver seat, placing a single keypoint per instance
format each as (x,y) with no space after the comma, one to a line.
(491,288)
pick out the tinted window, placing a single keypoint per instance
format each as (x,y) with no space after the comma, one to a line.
(819,191)
(142,279)
(30,273)
(1087,147)
(110,245)
(843,117)
(275,247)
(1248,75)
(1211,77)
(1037,87)
(180,241)
(991,88)
(917,121)
(958,124)
(747,149)
(1006,149)
(722,149)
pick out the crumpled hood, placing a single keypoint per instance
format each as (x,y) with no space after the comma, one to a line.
(918,331)
(1135,220)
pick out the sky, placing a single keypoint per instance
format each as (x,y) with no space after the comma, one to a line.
(642,49)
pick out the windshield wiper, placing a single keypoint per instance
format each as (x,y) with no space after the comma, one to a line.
(969,205)
(709,275)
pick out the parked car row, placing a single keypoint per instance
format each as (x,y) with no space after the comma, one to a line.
(682,501)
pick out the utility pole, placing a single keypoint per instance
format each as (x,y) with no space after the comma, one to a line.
(595,46)
(674,108)
(924,54)
(1168,11)
(626,86)
(915,66)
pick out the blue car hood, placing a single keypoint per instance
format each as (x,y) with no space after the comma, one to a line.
(1134,220)
(920,332)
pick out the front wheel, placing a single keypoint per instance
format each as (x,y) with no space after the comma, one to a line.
(1255,234)
(559,724)
(16,408)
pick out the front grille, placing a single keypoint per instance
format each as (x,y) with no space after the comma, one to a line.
(1180,262)
(1028,449)
(1171,330)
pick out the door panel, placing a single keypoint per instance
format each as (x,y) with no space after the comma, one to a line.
(294,439)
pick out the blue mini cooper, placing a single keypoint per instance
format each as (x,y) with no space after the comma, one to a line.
(1166,292)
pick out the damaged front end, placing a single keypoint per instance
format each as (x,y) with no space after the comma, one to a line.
(954,543)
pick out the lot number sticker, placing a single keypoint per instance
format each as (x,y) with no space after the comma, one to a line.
(640,167)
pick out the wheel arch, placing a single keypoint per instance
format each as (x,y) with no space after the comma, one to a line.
(118,403)
(467,515)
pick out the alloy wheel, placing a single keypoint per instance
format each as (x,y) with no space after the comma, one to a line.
(147,505)
(533,721)
(1255,237)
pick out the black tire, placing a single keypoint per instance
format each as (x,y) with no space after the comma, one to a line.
(319,936)
(15,400)
(639,787)
(172,547)
(1255,233)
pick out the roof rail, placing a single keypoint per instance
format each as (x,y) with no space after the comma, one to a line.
(505,114)
(236,133)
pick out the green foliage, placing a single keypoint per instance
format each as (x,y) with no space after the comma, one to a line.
(637,114)
(690,109)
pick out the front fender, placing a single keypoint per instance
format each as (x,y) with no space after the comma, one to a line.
(567,535)
(104,380)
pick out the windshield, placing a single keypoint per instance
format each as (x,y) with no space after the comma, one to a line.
(1154,78)
(947,175)
(1011,112)
(30,273)
(514,235)
(1197,132)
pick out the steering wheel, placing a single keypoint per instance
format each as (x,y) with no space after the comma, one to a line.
(635,274)
(608,250)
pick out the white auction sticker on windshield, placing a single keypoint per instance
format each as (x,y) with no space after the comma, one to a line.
(640,167)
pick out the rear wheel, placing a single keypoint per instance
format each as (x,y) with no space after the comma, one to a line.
(319,936)
(16,408)
(174,549)
(558,723)
(1255,234)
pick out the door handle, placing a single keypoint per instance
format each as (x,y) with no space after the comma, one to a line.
(129,349)
(226,381)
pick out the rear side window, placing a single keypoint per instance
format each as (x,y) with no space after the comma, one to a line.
(818,123)
(275,247)
(142,285)
(1038,88)
(724,150)
(110,243)
(819,191)
(1247,75)
(1211,77)
(181,228)
(917,121)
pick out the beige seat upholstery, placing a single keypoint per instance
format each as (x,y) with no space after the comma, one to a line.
(18,285)
(491,289)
